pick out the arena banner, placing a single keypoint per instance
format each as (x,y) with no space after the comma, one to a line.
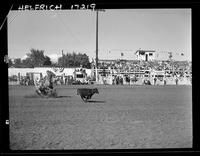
(58,69)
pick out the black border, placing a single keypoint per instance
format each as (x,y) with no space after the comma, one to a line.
(122,4)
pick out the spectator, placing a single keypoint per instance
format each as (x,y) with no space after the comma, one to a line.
(155,79)
(165,81)
(176,79)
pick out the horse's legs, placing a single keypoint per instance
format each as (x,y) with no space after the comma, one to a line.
(84,98)
(38,92)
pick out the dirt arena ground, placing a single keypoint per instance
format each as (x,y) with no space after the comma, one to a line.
(119,117)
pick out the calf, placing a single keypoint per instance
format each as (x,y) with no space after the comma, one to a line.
(86,93)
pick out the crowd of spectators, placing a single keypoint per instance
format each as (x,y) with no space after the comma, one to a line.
(173,70)
(26,81)
(172,67)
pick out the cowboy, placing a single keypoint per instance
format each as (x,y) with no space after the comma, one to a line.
(45,86)
(48,83)
(40,87)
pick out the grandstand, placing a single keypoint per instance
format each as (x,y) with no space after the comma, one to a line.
(145,67)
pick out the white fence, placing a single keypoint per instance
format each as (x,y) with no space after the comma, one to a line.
(102,80)
(56,71)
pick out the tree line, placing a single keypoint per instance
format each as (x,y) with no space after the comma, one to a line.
(36,58)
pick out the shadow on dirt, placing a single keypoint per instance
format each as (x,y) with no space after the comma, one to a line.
(38,96)
(63,97)
(32,96)
(93,101)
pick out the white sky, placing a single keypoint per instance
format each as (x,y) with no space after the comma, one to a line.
(121,29)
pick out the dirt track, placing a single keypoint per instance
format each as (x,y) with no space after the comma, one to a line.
(120,117)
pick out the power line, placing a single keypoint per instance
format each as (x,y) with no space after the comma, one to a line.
(6,17)
(13,19)
(65,25)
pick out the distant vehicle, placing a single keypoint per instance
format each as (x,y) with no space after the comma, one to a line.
(159,77)
(80,76)
(158,74)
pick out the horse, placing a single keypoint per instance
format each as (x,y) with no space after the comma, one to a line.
(45,86)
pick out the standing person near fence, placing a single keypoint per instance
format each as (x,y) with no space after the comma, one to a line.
(165,81)
(155,79)
(176,79)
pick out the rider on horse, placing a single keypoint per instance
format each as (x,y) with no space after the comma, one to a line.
(45,86)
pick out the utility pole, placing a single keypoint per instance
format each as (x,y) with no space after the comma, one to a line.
(63,61)
(97,45)
(97,14)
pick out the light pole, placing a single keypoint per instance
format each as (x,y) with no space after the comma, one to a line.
(97,14)
(63,60)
